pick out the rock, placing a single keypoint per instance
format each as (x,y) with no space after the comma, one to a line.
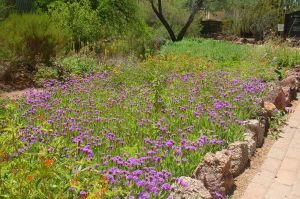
(278,98)
(292,79)
(294,87)
(251,40)
(250,139)
(215,172)
(186,188)
(293,93)
(265,122)
(239,157)
(291,85)
(269,108)
(286,91)
(241,41)
(258,128)
(282,99)
(295,71)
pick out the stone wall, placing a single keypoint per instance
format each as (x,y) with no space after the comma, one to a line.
(214,176)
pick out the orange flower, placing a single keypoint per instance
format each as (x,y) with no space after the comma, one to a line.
(104,190)
(104,184)
(29,178)
(75,181)
(41,118)
(103,180)
(49,162)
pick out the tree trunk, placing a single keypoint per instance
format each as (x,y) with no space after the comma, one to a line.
(159,13)
(162,19)
(186,26)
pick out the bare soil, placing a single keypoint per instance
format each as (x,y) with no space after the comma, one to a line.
(15,94)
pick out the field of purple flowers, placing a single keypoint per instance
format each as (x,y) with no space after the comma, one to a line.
(119,134)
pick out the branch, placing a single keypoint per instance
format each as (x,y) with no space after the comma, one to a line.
(154,8)
(196,7)
(162,19)
(160,7)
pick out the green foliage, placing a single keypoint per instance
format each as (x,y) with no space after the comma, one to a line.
(5,10)
(222,53)
(78,65)
(78,19)
(174,96)
(91,22)
(119,17)
(45,73)
(30,39)
(277,120)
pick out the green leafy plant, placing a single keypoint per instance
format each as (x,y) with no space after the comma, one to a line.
(45,73)
(30,39)
(79,65)
(77,18)
(277,120)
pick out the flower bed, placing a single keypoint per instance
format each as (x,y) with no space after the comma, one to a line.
(91,137)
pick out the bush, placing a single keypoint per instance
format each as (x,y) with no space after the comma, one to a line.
(91,24)
(30,39)
(45,73)
(78,65)
(79,19)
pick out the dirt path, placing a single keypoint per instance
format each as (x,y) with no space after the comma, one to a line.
(16,94)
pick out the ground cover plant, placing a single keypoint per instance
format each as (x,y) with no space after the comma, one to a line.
(124,132)
(130,131)
(102,130)
(227,54)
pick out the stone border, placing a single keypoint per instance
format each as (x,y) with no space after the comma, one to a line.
(214,176)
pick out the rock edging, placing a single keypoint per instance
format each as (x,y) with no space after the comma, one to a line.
(214,176)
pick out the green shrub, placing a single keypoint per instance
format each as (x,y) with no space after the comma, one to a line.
(45,73)
(5,9)
(78,65)
(29,39)
(77,18)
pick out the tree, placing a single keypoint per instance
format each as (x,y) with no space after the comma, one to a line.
(194,7)
(92,21)
(77,18)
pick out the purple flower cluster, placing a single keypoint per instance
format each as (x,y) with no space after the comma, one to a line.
(134,144)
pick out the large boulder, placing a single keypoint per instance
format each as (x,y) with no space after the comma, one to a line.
(215,172)
(239,157)
(186,188)
(258,128)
